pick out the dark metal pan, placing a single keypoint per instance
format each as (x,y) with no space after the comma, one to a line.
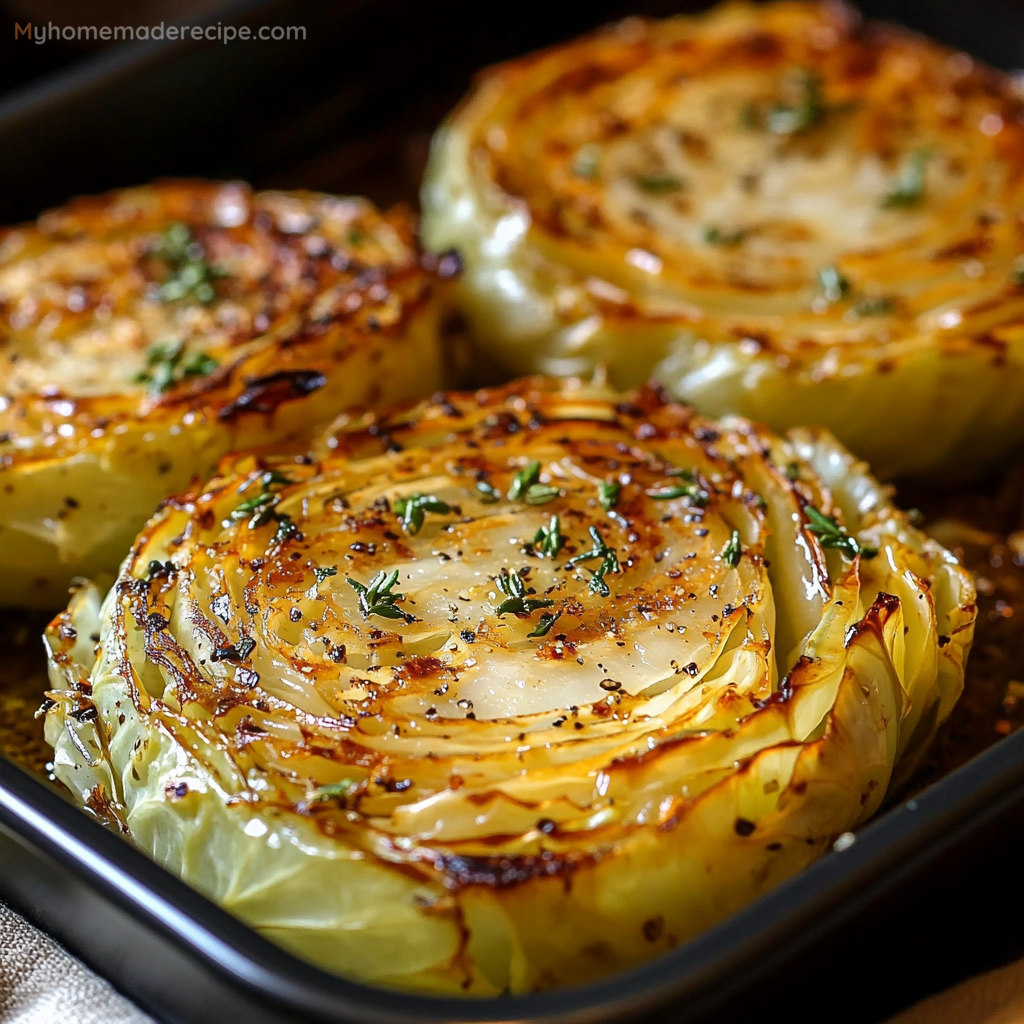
(926,894)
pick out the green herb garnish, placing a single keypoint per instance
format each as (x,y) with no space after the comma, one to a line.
(657,184)
(285,527)
(608,494)
(833,284)
(516,602)
(376,598)
(609,562)
(523,480)
(544,624)
(550,538)
(733,550)
(540,494)
(831,535)
(166,365)
(412,509)
(713,235)
(908,188)
(586,162)
(691,489)
(258,509)
(332,791)
(803,110)
(325,572)
(190,274)
(488,494)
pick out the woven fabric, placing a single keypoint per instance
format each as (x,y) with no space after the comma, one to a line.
(41,984)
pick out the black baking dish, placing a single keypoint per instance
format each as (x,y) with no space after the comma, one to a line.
(925,895)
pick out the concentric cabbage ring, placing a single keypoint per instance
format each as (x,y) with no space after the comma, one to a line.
(145,333)
(774,209)
(518,688)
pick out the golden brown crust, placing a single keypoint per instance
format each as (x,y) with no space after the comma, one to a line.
(301,278)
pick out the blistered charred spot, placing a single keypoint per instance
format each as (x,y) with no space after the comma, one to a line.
(653,928)
(966,248)
(423,667)
(875,619)
(265,394)
(505,872)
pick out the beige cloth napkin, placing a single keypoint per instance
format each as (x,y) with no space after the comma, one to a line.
(41,984)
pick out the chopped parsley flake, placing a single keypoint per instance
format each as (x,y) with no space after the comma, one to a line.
(412,509)
(516,602)
(167,365)
(487,493)
(191,276)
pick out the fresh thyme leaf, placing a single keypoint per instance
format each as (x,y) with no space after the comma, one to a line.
(804,109)
(191,276)
(488,493)
(832,283)
(909,187)
(325,572)
(586,162)
(657,184)
(733,550)
(272,477)
(252,507)
(523,480)
(540,494)
(727,239)
(514,589)
(609,562)
(697,495)
(831,535)
(550,538)
(377,598)
(544,624)
(332,791)
(608,493)
(879,305)
(412,509)
(792,471)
